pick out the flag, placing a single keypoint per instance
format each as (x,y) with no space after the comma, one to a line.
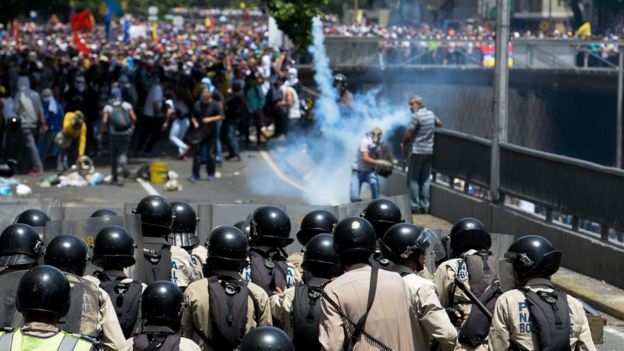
(126,30)
(115,7)
(208,22)
(16,28)
(584,31)
(107,20)
(80,45)
(82,21)
(154,31)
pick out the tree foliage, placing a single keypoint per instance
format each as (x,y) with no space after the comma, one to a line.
(295,18)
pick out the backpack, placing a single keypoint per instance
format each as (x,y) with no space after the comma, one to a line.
(120,118)
(126,298)
(227,299)
(482,270)
(305,315)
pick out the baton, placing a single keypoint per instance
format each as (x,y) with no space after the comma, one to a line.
(473,299)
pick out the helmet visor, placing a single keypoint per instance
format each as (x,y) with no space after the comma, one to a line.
(429,242)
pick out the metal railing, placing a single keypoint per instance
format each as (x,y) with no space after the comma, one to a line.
(580,193)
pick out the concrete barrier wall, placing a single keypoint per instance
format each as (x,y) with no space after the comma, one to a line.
(581,252)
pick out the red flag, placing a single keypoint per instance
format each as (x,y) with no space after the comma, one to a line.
(82,21)
(80,46)
(16,29)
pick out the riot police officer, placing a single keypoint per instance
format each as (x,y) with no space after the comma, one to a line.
(43,297)
(382,296)
(471,263)
(222,306)
(313,223)
(162,304)
(113,251)
(33,217)
(406,245)
(270,233)
(183,234)
(161,260)
(533,315)
(381,214)
(266,339)
(103,212)
(298,308)
(20,248)
(91,312)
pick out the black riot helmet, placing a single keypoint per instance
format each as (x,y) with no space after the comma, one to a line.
(354,240)
(113,247)
(228,248)
(104,212)
(244,226)
(162,303)
(382,214)
(266,339)
(320,258)
(20,244)
(533,255)
(400,243)
(43,290)
(33,217)
(68,253)
(184,226)
(316,222)
(270,226)
(156,216)
(468,234)
(340,82)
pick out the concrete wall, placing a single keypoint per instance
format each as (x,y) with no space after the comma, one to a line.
(581,253)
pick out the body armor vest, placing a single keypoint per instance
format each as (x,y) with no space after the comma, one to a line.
(157,262)
(84,309)
(269,270)
(126,298)
(550,315)
(306,315)
(227,297)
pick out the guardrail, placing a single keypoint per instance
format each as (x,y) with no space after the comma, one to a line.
(581,195)
(524,53)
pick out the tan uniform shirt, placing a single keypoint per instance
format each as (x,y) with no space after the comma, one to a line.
(185,345)
(388,319)
(281,308)
(197,314)
(199,256)
(511,321)
(428,317)
(296,259)
(107,322)
(182,270)
(444,280)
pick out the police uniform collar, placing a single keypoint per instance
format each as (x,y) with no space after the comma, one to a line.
(357,266)
(399,268)
(39,327)
(469,252)
(155,240)
(540,282)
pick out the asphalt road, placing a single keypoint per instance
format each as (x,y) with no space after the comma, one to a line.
(247,182)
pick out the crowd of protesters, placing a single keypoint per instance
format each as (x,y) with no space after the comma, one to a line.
(210,88)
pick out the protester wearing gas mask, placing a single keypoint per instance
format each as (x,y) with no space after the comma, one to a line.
(363,169)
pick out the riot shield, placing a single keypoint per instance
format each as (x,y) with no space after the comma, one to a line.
(84,212)
(296,214)
(214,215)
(356,208)
(87,229)
(10,209)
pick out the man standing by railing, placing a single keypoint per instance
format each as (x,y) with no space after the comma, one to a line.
(420,137)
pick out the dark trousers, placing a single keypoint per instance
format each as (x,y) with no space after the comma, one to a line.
(208,143)
(229,138)
(119,154)
(256,119)
(150,133)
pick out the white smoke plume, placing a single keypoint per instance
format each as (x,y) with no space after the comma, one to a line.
(333,147)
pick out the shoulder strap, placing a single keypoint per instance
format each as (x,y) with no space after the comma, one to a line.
(359,326)
(6,341)
(67,344)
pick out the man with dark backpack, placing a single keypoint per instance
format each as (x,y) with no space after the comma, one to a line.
(113,251)
(119,117)
(298,308)
(223,307)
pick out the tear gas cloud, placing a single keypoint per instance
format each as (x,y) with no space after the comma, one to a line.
(333,147)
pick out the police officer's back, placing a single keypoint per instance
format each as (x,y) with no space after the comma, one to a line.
(162,304)
(313,223)
(223,307)
(20,248)
(270,234)
(113,251)
(298,308)
(350,295)
(91,312)
(183,234)
(381,214)
(43,296)
(533,315)
(405,245)
(161,260)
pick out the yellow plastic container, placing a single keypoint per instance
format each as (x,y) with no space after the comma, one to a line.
(158,172)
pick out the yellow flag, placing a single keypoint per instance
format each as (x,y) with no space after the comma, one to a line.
(154,31)
(208,22)
(584,31)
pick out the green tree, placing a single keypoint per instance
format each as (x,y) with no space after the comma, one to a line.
(295,18)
